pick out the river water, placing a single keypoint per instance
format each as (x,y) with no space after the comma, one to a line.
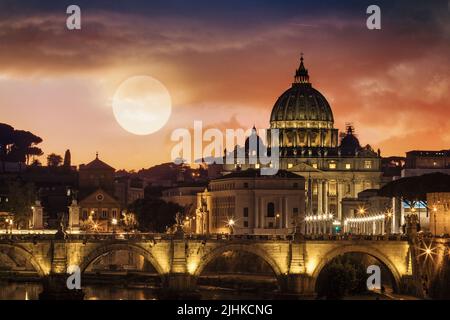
(31,290)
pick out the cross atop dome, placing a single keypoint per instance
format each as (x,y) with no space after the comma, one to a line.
(301,74)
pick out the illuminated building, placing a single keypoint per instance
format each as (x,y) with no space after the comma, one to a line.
(246,202)
(309,146)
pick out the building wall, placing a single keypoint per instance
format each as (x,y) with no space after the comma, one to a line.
(257,206)
(439,203)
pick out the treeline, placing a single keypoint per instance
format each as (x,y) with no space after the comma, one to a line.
(18,145)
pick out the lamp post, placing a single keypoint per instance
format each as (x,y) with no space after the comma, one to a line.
(231,224)
(114,223)
(9,224)
(362,211)
(277,220)
(388,222)
(434,215)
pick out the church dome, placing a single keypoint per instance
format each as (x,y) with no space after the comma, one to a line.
(301,105)
(253,143)
(349,143)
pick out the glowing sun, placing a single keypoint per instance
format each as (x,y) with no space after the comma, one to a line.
(142,105)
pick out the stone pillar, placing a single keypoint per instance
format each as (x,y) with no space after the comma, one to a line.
(38,216)
(74,216)
(262,219)
(54,287)
(55,284)
(256,211)
(319,197)
(339,199)
(209,225)
(298,284)
(325,197)
(179,283)
(287,219)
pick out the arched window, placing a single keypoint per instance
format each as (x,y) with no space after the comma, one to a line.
(271,209)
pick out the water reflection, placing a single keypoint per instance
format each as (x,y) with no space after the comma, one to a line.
(31,290)
(20,290)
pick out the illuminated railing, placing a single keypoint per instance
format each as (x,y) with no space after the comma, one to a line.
(99,237)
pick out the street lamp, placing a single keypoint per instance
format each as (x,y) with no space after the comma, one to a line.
(231,224)
(362,211)
(434,215)
(9,222)
(114,223)
(277,218)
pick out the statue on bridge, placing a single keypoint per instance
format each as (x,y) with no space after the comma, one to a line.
(179,232)
(61,233)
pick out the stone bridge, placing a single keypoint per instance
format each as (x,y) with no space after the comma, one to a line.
(296,263)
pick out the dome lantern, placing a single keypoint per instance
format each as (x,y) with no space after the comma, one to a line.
(301,74)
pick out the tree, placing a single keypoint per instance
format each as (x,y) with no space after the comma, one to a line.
(21,196)
(23,147)
(33,152)
(154,214)
(439,288)
(67,158)
(344,275)
(17,145)
(6,139)
(54,160)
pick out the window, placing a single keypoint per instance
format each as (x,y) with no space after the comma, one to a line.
(104,213)
(85,214)
(246,185)
(295,185)
(332,189)
(257,166)
(114,213)
(245,224)
(271,209)
(348,166)
(332,165)
(270,225)
(295,210)
(246,212)
(290,165)
(367,164)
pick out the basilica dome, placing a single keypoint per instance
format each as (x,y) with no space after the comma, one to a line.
(303,117)
(301,105)
(349,143)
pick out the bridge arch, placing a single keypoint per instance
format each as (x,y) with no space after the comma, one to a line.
(252,249)
(13,251)
(110,247)
(369,250)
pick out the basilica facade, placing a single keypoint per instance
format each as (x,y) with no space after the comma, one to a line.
(335,166)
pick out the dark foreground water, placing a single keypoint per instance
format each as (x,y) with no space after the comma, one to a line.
(31,290)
